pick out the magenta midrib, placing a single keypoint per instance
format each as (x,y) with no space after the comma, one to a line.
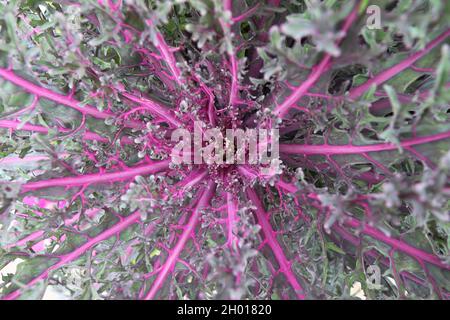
(16,125)
(378,235)
(168,57)
(398,68)
(395,243)
(56,97)
(42,92)
(87,179)
(327,149)
(299,92)
(205,198)
(346,235)
(231,219)
(153,107)
(116,229)
(285,266)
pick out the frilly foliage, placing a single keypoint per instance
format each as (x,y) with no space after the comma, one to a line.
(91,207)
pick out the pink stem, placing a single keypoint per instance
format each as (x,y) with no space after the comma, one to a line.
(395,243)
(16,125)
(232,220)
(374,233)
(59,98)
(227,5)
(153,107)
(116,229)
(398,68)
(48,94)
(96,178)
(347,236)
(168,57)
(269,234)
(299,92)
(38,234)
(378,235)
(205,198)
(234,80)
(23,241)
(246,14)
(15,160)
(327,149)
(193,179)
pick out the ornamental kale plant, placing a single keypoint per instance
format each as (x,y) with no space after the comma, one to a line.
(92,207)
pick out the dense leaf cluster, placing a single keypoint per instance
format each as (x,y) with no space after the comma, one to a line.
(91,206)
